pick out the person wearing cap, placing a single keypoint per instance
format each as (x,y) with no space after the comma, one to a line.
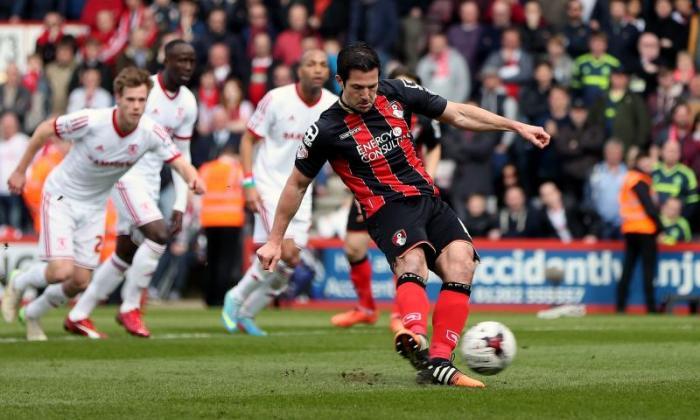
(578,145)
(622,113)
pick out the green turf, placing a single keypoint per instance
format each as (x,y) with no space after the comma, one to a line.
(595,367)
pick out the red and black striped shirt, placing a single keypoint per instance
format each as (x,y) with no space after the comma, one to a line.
(374,152)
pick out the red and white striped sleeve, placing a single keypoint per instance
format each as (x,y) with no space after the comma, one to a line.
(73,126)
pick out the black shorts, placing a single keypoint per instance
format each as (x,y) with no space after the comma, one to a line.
(355,225)
(402,225)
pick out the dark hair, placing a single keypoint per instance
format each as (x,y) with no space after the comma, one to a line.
(357,56)
(405,72)
(170,46)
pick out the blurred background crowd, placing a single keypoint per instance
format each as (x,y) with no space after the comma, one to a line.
(606,78)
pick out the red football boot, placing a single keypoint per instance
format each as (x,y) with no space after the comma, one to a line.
(133,323)
(83,327)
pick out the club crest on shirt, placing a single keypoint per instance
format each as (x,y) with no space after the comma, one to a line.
(302,152)
(396,109)
(133,149)
(399,238)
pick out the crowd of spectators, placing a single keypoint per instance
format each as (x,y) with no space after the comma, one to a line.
(606,78)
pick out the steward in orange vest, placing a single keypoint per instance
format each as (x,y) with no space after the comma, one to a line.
(640,224)
(222,216)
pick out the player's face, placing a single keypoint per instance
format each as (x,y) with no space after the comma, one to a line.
(180,64)
(313,71)
(360,89)
(132,103)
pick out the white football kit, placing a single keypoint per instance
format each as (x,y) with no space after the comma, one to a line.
(280,121)
(137,193)
(76,191)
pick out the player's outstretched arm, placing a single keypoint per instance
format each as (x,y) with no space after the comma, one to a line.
(470,117)
(189,174)
(289,202)
(42,133)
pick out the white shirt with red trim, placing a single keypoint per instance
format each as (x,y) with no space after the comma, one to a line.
(280,121)
(177,113)
(101,153)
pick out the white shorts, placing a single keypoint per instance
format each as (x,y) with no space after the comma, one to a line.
(70,229)
(136,205)
(299,226)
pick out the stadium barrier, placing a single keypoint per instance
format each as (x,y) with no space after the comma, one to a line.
(522,275)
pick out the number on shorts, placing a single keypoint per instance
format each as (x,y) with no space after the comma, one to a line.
(99,244)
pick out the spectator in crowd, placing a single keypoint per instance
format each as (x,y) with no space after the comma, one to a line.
(481,223)
(165,14)
(560,221)
(662,101)
(237,108)
(257,22)
(208,99)
(647,65)
(693,95)
(131,19)
(281,75)
(673,35)
(288,43)
(675,227)
(91,60)
(59,74)
(51,35)
(210,145)
(690,151)
(261,67)
(603,189)
(137,53)
(515,66)
(555,12)
(374,22)
(494,98)
(444,71)
(634,14)
(220,63)
(671,178)
(217,33)
(12,146)
(679,127)
(535,32)
(685,69)
(466,37)
(576,31)
(640,224)
(472,153)
(413,37)
(105,27)
(90,95)
(622,113)
(517,219)
(35,82)
(189,26)
(578,146)
(533,97)
(222,216)
(14,97)
(562,64)
(622,34)
(508,177)
(591,77)
(694,31)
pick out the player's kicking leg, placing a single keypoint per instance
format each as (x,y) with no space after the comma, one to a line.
(356,246)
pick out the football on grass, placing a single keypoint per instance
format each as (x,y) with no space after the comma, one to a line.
(488,347)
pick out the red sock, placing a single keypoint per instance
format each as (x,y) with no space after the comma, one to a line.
(413,303)
(361,277)
(449,317)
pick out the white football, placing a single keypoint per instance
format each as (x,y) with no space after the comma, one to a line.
(488,347)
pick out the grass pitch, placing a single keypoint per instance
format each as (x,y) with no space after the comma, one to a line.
(589,368)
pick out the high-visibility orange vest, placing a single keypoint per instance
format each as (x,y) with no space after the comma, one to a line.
(223,205)
(634,218)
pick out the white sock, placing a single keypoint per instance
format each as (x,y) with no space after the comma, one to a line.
(34,277)
(139,275)
(249,283)
(273,284)
(105,280)
(52,297)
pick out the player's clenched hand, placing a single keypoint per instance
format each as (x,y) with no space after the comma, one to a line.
(269,254)
(197,186)
(16,182)
(252,199)
(533,134)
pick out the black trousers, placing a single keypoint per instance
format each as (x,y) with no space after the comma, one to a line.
(224,262)
(638,245)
